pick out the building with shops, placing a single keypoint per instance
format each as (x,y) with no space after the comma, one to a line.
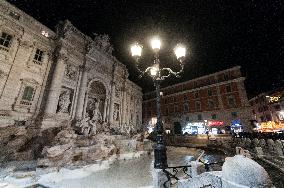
(268,106)
(62,75)
(214,103)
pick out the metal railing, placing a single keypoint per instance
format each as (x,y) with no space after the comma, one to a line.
(172,172)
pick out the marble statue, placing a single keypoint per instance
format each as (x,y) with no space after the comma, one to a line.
(102,41)
(64,101)
(85,126)
(97,118)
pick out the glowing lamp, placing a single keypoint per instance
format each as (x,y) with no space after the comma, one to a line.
(180,51)
(136,50)
(156,44)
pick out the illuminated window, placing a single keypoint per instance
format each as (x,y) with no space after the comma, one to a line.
(5,41)
(44,33)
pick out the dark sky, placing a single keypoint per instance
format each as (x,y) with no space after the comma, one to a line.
(220,34)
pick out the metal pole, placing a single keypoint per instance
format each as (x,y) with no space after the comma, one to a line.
(160,150)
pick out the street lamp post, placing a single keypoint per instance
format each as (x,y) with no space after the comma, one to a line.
(155,71)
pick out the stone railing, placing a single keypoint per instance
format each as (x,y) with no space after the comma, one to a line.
(195,140)
(261,147)
(267,150)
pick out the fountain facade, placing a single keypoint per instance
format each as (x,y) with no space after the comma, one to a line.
(52,83)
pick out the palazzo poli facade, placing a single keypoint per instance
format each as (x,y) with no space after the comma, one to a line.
(53,77)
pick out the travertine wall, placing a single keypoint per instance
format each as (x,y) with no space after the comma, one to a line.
(74,72)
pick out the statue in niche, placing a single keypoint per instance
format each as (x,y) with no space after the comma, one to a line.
(64,101)
(97,119)
(117,91)
(85,126)
(102,41)
(71,72)
(116,112)
(92,125)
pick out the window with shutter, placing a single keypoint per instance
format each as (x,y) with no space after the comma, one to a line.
(28,93)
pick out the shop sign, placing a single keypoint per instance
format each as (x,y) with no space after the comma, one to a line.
(215,123)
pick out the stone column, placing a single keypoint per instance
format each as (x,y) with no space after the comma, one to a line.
(81,95)
(55,87)
(111,106)
(105,110)
(86,98)
(123,106)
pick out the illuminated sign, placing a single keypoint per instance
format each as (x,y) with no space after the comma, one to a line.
(274,98)
(194,128)
(271,126)
(236,123)
(196,124)
(215,123)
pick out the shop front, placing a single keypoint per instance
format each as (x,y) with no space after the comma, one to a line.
(236,126)
(204,127)
(270,126)
(194,128)
(216,127)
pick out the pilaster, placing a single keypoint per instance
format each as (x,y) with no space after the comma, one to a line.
(55,87)
(81,95)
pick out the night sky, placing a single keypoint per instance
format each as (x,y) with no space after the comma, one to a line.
(219,34)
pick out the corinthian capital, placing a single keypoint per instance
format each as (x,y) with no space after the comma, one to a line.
(62,56)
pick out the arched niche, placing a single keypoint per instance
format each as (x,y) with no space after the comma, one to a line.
(96,93)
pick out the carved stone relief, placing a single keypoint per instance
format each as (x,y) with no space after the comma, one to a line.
(117,91)
(103,43)
(116,112)
(71,72)
(65,101)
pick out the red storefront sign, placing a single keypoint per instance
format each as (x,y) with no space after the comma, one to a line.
(215,123)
